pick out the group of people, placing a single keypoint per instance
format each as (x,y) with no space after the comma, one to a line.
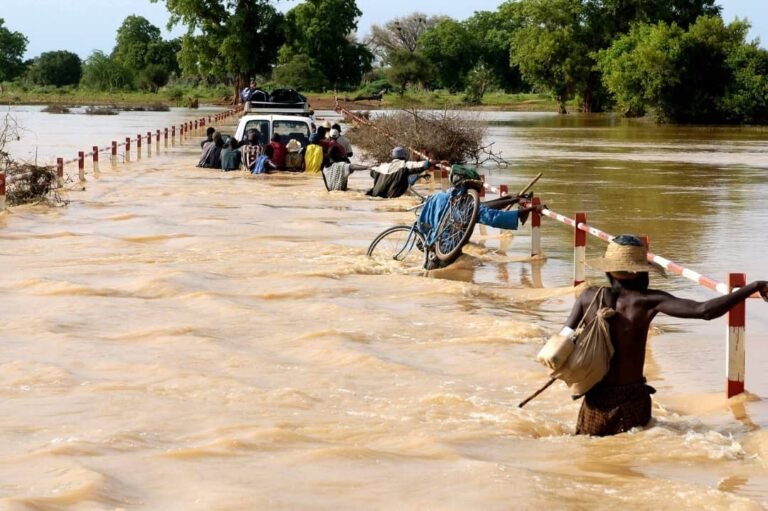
(328,153)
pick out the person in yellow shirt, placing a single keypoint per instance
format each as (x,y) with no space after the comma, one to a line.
(313,155)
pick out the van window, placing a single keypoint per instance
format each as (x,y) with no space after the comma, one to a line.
(262,126)
(298,130)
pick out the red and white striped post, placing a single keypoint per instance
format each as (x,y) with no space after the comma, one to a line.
(209,119)
(95,156)
(114,149)
(138,145)
(157,138)
(81,165)
(173,132)
(196,126)
(579,250)
(2,191)
(60,172)
(149,138)
(736,361)
(165,136)
(503,190)
(535,228)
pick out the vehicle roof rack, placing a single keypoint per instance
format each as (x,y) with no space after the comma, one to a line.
(268,107)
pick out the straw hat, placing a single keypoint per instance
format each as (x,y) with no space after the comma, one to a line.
(626,253)
(327,125)
(293,145)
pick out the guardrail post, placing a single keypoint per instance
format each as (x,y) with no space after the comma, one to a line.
(2,191)
(59,172)
(735,363)
(81,165)
(579,250)
(95,155)
(157,139)
(535,228)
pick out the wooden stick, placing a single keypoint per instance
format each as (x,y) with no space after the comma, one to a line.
(533,396)
(529,185)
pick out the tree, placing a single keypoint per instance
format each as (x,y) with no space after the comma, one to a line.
(492,32)
(300,72)
(57,68)
(688,76)
(549,47)
(100,72)
(141,49)
(12,48)
(400,34)
(323,30)
(452,50)
(408,68)
(134,38)
(236,39)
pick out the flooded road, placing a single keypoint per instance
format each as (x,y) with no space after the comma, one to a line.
(181,339)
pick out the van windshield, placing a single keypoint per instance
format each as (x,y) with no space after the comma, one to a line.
(298,130)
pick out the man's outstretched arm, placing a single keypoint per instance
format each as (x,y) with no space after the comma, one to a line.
(711,309)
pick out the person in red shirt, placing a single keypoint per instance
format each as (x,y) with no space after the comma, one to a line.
(278,157)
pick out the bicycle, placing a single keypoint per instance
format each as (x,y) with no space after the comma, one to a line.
(419,243)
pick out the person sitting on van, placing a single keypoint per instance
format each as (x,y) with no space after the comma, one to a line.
(208,137)
(211,158)
(252,150)
(231,156)
(264,163)
(313,155)
(391,179)
(341,139)
(279,151)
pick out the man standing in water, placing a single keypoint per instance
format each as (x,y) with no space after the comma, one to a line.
(621,400)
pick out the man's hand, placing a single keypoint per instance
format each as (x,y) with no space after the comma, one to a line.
(764,290)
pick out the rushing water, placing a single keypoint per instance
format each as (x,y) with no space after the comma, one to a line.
(182,339)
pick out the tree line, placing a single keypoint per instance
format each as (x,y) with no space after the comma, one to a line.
(676,60)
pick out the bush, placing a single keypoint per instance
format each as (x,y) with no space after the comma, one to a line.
(448,135)
(56,68)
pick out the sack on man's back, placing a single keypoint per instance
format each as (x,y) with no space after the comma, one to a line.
(585,363)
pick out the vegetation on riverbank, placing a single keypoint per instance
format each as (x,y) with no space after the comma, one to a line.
(673,60)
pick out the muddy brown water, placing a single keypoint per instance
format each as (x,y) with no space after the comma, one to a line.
(183,339)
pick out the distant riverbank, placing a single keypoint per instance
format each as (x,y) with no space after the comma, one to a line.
(318,101)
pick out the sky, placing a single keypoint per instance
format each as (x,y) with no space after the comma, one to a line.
(82,26)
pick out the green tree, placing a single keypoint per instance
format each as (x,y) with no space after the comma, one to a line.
(300,72)
(57,68)
(134,38)
(453,52)
(100,72)
(235,39)
(746,98)
(687,76)
(549,47)
(323,30)
(479,80)
(12,48)
(141,49)
(408,68)
(492,31)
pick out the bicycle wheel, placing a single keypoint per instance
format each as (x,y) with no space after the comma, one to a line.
(399,243)
(457,224)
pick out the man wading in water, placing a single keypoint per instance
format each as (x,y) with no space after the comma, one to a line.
(621,400)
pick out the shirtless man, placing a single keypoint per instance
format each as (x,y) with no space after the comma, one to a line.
(622,400)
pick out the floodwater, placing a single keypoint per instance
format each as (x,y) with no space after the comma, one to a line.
(183,339)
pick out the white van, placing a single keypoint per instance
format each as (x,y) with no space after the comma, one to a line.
(297,127)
